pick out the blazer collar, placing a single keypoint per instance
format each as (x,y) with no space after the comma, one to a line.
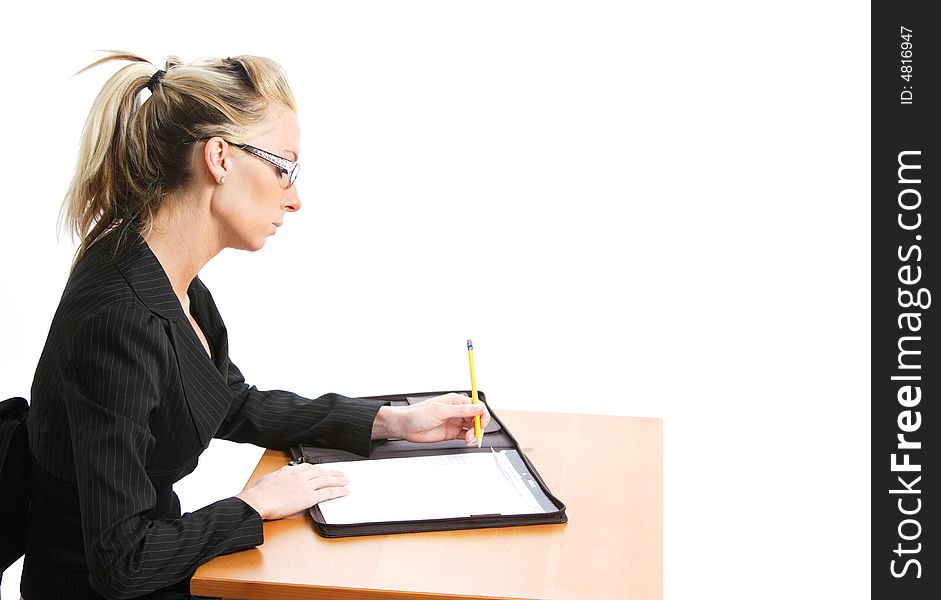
(144,273)
(203,379)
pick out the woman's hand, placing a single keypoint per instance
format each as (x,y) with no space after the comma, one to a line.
(447,417)
(292,489)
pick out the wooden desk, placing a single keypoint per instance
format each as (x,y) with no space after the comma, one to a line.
(612,546)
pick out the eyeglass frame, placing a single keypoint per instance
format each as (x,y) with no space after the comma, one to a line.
(285,166)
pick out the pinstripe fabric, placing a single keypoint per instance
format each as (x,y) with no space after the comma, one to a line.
(124,400)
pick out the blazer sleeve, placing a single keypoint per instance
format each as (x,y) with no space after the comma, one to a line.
(279,419)
(116,366)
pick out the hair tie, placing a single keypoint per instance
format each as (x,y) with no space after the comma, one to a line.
(155,79)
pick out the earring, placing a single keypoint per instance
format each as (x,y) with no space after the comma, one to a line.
(222,180)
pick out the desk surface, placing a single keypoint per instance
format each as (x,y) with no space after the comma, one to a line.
(612,546)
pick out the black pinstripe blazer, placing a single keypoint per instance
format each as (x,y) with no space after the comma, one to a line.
(124,400)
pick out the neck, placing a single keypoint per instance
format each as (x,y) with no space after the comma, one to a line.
(183,244)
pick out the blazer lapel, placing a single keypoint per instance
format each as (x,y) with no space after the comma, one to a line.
(206,392)
(203,381)
(207,315)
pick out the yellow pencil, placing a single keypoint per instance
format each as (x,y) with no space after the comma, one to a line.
(470,357)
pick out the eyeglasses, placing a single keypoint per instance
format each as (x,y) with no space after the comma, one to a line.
(287,169)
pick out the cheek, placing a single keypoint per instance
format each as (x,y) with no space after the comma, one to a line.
(264,194)
(240,216)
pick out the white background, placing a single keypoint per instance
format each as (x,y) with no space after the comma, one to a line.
(660,209)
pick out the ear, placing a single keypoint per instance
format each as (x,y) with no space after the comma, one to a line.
(215,156)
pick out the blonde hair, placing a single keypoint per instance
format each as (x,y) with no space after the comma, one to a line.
(132,155)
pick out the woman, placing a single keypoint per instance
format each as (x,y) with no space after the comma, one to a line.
(135,378)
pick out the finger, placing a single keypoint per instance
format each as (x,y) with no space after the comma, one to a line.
(332,473)
(326,482)
(314,471)
(324,494)
(452,398)
(302,467)
(464,411)
(306,474)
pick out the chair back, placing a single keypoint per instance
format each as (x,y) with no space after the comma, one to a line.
(15,464)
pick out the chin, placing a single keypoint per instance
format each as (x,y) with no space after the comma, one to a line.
(253,245)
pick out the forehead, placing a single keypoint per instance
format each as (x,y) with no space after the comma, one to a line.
(281,131)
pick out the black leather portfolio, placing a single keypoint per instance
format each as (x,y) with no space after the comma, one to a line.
(540,506)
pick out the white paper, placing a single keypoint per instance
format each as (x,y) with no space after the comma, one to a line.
(429,487)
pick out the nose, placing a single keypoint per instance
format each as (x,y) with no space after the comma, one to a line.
(292,203)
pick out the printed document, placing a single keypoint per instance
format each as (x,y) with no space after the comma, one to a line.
(429,487)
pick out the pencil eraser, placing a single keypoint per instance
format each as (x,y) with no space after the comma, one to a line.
(470,345)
